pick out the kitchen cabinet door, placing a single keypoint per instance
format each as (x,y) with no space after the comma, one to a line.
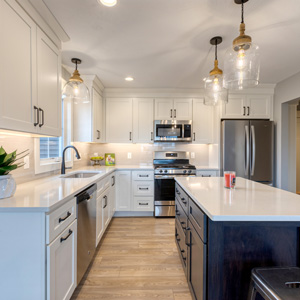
(143,120)
(119,120)
(17,68)
(203,122)
(62,264)
(48,86)
(236,108)
(164,109)
(99,220)
(183,109)
(106,208)
(98,134)
(259,106)
(123,191)
(196,264)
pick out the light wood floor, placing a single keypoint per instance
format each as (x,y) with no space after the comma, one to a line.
(137,260)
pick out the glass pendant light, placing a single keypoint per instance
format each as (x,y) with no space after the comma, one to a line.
(214,91)
(75,87)
(242,60)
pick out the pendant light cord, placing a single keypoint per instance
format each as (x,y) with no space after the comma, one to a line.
(216,50)
(76,65)
(242,11)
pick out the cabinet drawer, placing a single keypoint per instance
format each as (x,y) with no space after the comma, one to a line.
(207,173)
(142,175)
(102,185)
(143,204)
(143,188)
(180,240)
(180,215)
(182,197)
(60,219)
(198,219)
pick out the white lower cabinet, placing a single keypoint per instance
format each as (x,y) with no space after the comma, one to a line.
(143,203)
(105,209)
(123,190)
(61,264)
(99,220)
(207,173)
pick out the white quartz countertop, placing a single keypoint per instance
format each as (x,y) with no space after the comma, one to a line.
(249,201)
(47,194)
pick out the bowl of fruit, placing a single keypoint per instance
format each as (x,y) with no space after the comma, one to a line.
(96,160)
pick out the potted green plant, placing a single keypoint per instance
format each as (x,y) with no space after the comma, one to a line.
(8,163)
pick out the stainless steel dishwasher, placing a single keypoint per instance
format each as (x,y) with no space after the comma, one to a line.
(86,229)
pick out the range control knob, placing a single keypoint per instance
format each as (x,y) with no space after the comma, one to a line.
(189,171)
(166,171)
(184,171)
(160,171)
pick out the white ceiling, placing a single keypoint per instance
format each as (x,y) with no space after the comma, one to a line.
(165,43)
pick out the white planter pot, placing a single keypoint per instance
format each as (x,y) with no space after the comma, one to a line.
(7,186)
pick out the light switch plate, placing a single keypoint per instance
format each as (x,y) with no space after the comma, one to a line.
(192,154)
(26,162)
(129,155)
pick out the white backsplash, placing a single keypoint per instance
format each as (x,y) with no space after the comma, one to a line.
(143,153)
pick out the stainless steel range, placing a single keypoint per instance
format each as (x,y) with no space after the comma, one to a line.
(167,166)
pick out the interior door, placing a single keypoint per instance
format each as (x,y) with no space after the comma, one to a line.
(262,151)
(235,147)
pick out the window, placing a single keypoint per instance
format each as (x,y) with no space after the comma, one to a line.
(48,150)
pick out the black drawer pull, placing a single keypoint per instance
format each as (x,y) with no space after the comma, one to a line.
(143,175)
(143,203)
(178,240)
(182,251)
(65,238)
(183,200)
(184,258)
(143,189)
(66,217)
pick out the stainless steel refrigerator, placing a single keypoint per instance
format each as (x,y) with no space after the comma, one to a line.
(248,149)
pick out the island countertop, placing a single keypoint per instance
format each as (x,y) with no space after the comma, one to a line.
(249,201)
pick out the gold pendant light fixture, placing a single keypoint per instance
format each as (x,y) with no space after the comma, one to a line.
(214,91)
(242,60)
(75,87)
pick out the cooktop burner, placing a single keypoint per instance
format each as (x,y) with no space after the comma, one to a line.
(174,166)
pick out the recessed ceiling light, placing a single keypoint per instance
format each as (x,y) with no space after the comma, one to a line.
(108,2)
(129,78)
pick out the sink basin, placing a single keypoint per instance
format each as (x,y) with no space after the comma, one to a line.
(80,175)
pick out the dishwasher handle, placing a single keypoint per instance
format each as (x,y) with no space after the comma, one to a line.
(86,194)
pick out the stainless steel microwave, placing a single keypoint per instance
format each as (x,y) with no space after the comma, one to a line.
(172,131)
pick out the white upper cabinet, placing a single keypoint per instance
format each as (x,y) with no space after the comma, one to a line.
(163,109)
(250,106)
(173,109)
(98,132)
(48,85)
(29,75)
(119,120)
(88,117)
(143,120)
(203,122)
(18,53)
(183,109)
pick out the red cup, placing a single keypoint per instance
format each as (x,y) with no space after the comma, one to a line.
(229,179)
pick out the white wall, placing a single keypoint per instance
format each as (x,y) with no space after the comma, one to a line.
(285,91)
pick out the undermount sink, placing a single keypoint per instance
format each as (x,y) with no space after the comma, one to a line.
(80,175)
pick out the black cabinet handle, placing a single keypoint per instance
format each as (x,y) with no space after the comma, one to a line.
(151,136)
(113,180)
(177,192)
(171,115)
(98,134)
(65,238)
(66,217)
(248,108)
(178,240)
(194,136)
(177,213)
(182,223)
(130,136)
(143,204)
(182,251)
(183,200)
(143,189)
(36,116)
(43,120)
(186,235)
(205,175)
(143,175)
(105,198)
(174,113)
(244,107)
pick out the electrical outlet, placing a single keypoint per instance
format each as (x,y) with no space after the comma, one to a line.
(192,154)
(26,162)
(129,155)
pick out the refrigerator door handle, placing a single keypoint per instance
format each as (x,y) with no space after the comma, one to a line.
(253,150)
(247,150)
